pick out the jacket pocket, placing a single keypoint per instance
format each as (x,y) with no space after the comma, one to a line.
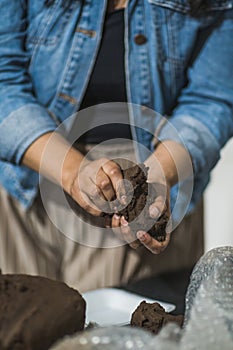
(177,35)
(184,5)
(177,30)
(47,25)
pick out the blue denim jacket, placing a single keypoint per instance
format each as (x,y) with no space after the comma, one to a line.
(183,69)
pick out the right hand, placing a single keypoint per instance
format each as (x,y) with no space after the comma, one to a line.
(96,183)
(90,183)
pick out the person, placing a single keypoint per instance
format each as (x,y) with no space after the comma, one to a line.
(59,57)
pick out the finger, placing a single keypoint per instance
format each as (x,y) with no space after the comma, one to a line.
(105,185)
(107,221)
(151,243)
(119,230)
(124,234)
(128,235)
(86,204)
(116,226)
(97,198)
(114,173)
(158,207)
(121,191)
(135,244)
(116,221)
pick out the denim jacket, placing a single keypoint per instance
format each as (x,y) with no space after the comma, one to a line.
(178,64)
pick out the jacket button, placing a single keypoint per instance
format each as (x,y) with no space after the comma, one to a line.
(140,39)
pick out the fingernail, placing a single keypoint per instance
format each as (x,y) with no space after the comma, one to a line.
(123,221)
(116,216)
(154,212)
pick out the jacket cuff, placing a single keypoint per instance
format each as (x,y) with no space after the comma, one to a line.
(21,128)
(202,145)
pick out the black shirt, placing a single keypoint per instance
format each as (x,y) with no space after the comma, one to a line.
(107,82)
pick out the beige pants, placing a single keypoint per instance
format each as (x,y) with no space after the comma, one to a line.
(30,243)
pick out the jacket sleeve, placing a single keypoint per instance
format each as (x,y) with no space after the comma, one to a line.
(22,118)
(204,114)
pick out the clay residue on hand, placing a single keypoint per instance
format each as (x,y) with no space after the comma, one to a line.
(142,195)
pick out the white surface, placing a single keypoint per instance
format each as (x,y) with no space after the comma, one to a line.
(219,202)
(111,306)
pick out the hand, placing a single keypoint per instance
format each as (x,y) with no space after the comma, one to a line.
(90,183)
(157,210)
(95,185)
(160,206)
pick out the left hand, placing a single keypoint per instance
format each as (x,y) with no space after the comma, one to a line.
(169,164)
(160,206)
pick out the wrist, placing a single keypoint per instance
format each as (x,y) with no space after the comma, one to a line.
(70,169)
(53,157)
(170,163)
(157,173)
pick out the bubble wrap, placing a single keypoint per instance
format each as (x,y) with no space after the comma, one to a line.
(208,316)
(214,263)
(110,338)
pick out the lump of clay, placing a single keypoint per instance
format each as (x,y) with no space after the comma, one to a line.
(36,311)
(143,195)
(153,317)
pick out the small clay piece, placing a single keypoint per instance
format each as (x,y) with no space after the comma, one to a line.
(36,311)
(143,195)
(152,317)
